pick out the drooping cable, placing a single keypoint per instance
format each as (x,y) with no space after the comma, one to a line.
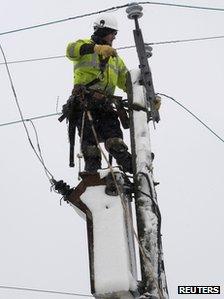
(38,147)
(49,174)
(192,114)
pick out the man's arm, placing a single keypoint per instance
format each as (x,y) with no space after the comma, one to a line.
(86,49)
(79,48)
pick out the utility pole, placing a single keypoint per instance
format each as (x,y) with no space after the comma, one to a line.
(141,97)
(112,260)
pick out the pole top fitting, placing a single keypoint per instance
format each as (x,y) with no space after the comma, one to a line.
(134,10)
(148,50)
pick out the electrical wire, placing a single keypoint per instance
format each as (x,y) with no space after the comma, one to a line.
(49,175)
(34,59)
(185,40)
(182,6)
(162,94)
(64,20)
(43,291)
(111,9)
(191,113)
(28,119)
(122,48)
(38,146)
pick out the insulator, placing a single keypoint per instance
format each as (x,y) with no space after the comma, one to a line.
(62,187)
(148,51)
(134,11)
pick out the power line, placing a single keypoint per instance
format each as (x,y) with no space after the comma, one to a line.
(122,48)
(186,40)
(183,6)
(64,20)
(48,173)
(110,9)
(28,119)
(34,59)
(196,117)
(162,94)
(42,291)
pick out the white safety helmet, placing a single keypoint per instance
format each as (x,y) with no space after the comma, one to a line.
(105,21)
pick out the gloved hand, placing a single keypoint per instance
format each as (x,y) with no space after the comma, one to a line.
(105,50)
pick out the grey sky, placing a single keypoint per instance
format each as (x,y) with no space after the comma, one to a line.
(43,244)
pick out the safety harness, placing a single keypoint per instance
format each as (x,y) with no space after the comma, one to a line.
(83,99)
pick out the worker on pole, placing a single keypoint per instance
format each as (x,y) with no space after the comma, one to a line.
(98,70)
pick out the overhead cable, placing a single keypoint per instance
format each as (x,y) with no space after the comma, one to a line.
(33,59)
(192,114)
(28,119)
(185,40)
(48,173)
(43,291)
(183,6)
(64,20)
(122,48)
(111,9)
(162,94)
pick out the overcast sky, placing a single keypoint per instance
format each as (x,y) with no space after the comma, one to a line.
(43,244)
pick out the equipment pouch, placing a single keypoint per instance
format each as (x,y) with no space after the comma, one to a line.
(123,116)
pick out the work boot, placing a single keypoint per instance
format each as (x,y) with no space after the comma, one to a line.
(119,150)
(92,164)
(92,157)
(111,187)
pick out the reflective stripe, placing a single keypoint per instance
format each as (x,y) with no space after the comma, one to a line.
(114,68)
(94,57)
(86,64)
(71,51)
(94,64)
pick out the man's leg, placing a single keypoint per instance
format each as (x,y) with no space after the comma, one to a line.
(111,132)
(91,152)
(119,150)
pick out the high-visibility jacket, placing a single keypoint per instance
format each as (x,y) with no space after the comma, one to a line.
(86,68)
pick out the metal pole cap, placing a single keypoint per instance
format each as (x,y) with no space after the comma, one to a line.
(134,10)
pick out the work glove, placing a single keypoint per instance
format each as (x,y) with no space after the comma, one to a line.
(105,50)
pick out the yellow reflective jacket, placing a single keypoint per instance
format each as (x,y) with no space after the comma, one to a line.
(86,68)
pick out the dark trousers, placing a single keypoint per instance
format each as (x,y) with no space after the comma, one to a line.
(106,124)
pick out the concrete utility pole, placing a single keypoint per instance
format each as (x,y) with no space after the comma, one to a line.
(141,98)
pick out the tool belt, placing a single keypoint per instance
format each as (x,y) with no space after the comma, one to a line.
(84,98)
(90,99)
